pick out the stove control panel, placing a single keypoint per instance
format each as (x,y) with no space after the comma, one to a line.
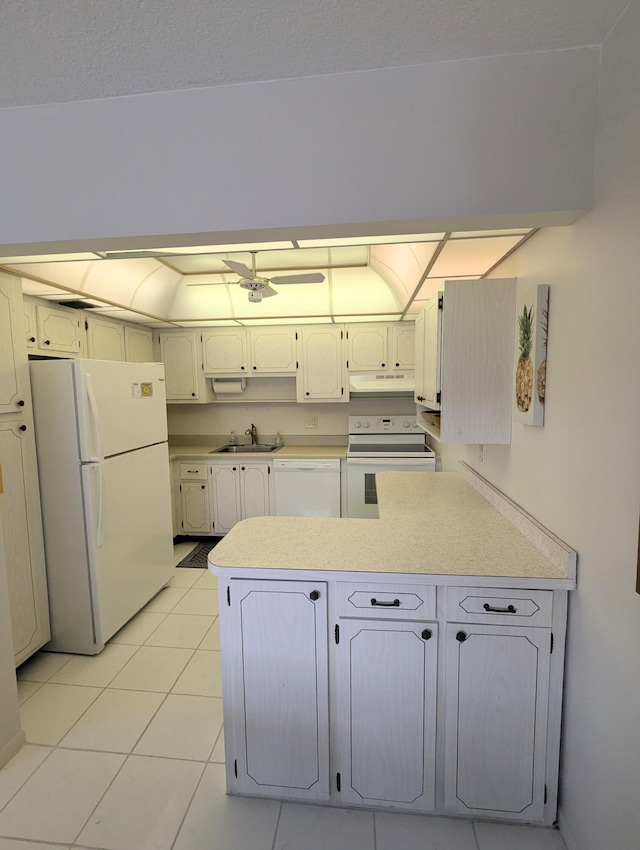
(402,424)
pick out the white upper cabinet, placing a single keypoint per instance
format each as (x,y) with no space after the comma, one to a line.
(367,347)
(242,351)
(381,347)
(59,330)
(138,344)
(30,325)
(225,351)
(180,351)
(273,349)
(403,346)
(467,352)
(322,376)
(14,380)
(105,339)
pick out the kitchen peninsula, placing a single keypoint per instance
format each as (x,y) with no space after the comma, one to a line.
(413,662)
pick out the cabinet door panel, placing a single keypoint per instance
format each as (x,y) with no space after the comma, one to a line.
(497,692)
(281,743)
(13,385)
(387,693)
(179,355)
(22,529)
(224,351)
(403,346)
(58,330)
(323,364)
(138,345)
(105,340)
(367,347)
(195,508)
(273,349)
(225,493)
(254,490)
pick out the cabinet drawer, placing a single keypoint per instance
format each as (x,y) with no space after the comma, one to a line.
(397,602)
(193,471)
(499,606)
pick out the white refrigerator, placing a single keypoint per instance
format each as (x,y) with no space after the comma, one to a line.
(103,462)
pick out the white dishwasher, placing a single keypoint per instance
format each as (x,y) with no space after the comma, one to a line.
(307,487)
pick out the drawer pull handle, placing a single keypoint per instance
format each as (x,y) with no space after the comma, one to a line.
(394,604)
(510,609)
(193,471)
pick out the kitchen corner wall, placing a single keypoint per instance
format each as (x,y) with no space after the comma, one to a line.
(217,419)
(580,473)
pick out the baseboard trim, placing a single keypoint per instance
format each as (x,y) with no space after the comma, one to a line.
(565,831)
(12,747)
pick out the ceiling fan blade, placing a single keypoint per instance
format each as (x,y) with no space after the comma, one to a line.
(267,292)
(240,268)
(316,277)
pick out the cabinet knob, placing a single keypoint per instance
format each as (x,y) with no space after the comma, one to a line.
(242,368)
(461,637)
(22,428)
(32,339)
(193,394)
(315,594)
(202,487)
(47,342)
(382,365)
(307,393)
(426,634)
(254,368)
(397,364)
(20,403)
(234,468)
(242,468)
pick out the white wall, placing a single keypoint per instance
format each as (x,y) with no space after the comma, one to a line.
(579,475)
(218,419)
(484,139)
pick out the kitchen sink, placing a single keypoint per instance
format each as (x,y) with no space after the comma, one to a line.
(258,449)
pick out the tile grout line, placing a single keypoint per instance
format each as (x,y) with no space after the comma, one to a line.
(190,803)
(275,833)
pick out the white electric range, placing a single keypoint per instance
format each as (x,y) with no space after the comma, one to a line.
(382,444)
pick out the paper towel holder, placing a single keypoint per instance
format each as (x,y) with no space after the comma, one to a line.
(226,386)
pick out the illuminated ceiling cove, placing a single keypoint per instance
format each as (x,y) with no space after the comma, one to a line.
(382,278)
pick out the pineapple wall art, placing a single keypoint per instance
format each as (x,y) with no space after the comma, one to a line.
(531,356)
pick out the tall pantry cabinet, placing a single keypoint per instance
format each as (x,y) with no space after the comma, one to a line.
(20,503)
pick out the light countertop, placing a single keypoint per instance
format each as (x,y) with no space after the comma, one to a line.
(430,524)
(206,452)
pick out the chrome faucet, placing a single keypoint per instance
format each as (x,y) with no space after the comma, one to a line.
(253,432)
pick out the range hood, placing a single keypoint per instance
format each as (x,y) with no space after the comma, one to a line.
(382,384)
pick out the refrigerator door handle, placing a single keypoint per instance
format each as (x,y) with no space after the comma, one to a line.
(97,465)
(95,422)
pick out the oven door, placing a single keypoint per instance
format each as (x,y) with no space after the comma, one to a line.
(362,498)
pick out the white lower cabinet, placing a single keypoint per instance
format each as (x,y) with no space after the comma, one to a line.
(496,720)
(387,675)
(279,745)
(239,490)
(195,502)
(457,718)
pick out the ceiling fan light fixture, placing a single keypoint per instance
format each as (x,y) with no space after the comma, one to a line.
(255,295)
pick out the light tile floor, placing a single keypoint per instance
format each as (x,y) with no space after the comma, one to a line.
(126,751)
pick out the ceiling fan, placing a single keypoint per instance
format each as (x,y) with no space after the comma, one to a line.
(260,287)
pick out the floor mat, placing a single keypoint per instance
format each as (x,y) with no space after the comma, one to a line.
(197,558)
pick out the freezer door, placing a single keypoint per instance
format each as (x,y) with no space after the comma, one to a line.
(128,514)
(121,406)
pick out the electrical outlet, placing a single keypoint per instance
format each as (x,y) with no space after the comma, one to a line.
(310,421)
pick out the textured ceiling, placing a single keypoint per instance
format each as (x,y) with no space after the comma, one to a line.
(83,49)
